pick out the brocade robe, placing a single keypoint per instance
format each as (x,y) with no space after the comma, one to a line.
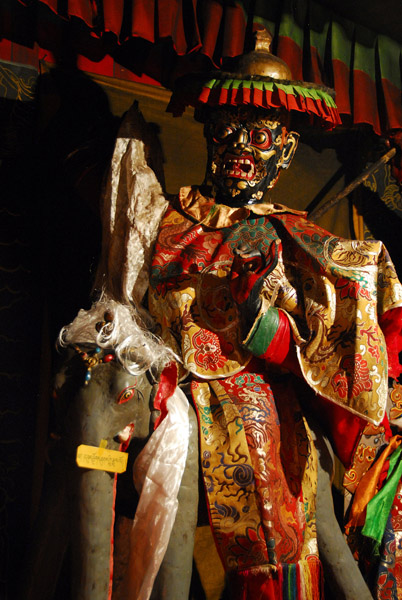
(257,457)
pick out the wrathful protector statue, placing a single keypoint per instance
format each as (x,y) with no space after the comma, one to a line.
(272,325)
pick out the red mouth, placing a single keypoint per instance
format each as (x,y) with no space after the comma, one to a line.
(240,167)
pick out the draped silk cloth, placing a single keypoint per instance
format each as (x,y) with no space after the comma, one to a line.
(259,467)
(257,458)
(133,205)
(331,289)
(158,472)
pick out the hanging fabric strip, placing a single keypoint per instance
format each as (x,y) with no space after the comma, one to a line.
(157,475)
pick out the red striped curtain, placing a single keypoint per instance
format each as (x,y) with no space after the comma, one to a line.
(318,45)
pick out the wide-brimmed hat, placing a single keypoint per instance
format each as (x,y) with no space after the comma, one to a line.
(260,80)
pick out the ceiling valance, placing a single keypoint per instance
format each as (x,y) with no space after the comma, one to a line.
(164,38)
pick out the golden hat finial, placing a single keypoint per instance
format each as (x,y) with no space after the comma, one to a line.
(263,40)
(260,61)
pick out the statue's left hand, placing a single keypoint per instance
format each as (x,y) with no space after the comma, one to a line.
(249,270)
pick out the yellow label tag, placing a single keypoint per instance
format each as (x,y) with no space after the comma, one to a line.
(92,457)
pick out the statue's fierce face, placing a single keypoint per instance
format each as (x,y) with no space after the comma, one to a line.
(245,154)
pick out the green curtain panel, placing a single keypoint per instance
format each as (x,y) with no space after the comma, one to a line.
(158,40)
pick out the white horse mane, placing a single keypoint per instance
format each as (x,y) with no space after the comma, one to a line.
(128,334)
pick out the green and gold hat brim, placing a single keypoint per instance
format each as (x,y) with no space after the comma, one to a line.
(226,90)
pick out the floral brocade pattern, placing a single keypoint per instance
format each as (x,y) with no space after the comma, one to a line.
(257,458)
(395,403)
(331,289)
(373,438)
(259,469)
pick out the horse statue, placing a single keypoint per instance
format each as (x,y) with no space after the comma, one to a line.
(103,405)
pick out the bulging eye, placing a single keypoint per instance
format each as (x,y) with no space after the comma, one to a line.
(222,133)
(126,394)
(261,138)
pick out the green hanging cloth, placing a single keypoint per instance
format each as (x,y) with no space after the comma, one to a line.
(379,507)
